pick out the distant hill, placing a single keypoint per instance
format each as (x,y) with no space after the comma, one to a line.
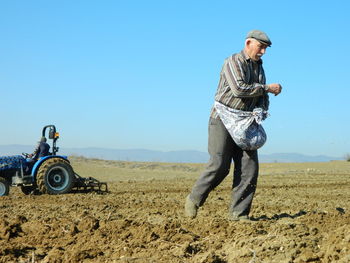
(143,155)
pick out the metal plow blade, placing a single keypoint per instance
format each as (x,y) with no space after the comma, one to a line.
(89,184)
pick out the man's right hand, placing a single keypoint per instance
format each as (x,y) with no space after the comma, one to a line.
(274,88)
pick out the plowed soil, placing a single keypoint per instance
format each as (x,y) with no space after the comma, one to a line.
(301,212)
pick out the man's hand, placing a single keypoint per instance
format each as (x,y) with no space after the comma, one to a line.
(274,88)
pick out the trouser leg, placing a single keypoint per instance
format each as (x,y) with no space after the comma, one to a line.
(244,182)
(220,148)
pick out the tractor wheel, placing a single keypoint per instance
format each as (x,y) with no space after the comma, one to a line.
(4,187)
(55,176)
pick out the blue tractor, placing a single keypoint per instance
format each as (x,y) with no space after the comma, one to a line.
(51,174)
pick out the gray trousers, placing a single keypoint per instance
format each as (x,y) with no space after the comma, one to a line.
(223,150)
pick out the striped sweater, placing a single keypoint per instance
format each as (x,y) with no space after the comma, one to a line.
(242,84)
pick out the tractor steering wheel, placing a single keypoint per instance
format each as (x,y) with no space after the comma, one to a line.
(26,155)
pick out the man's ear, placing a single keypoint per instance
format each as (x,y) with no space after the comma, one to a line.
(247,42)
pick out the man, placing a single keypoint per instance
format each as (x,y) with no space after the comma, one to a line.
(242,86)
(41,150)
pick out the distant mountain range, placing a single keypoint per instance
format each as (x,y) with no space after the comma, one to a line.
(142,155)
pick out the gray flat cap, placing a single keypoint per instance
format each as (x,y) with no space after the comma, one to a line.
(260,36)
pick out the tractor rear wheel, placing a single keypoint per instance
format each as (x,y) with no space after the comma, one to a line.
(4,187)
(55,176)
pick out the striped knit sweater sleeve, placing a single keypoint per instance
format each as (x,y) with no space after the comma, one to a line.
(242,84)
(239,75)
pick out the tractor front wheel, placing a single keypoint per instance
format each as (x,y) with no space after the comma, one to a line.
(4,187)
(55,176)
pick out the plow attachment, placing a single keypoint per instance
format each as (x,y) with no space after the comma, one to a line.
(89,184)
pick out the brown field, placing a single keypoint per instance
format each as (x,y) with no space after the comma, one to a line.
(302,212)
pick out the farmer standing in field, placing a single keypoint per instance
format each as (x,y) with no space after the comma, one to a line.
(242,86)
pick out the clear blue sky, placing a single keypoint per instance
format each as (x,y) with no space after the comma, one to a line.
(143,74)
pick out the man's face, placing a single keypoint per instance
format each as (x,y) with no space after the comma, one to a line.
(255,49)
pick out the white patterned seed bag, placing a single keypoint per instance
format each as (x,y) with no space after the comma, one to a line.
(244,126)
